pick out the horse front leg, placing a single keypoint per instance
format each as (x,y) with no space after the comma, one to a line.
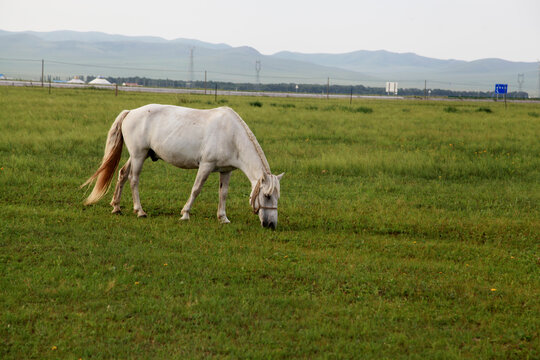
(203,173)
(122,177)
(136,167)
(224,178)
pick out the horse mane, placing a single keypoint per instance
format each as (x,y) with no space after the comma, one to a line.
(255,143)
(271,186)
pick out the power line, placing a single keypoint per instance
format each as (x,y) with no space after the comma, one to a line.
(117,67)
(15,59)
(318,79)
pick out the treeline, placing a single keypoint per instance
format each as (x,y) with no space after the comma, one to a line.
(302,88)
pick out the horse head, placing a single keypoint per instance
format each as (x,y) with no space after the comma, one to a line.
(264,199)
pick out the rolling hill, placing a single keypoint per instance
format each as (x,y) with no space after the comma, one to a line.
(96,54)
(412,69)
(69,53)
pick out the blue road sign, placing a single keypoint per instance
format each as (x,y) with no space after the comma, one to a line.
(501,88)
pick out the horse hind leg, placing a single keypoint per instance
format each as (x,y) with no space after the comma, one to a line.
(136,167)
(122,177)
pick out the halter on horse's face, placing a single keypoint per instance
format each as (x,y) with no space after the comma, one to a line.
(264,199)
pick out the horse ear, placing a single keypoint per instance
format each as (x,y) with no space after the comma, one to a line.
(280,176)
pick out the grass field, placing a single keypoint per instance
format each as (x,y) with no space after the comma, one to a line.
(407,229)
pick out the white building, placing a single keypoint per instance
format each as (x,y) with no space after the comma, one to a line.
(75,80)
(99,81)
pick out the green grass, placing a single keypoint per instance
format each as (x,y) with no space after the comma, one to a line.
(406,230)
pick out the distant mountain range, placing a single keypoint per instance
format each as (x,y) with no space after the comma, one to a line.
(70,53)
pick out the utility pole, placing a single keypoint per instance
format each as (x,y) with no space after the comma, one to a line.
(257,71)
(328,89)
(425,89)
(520,80)
(42,71)
(539,78)
(204,82)
(191,66)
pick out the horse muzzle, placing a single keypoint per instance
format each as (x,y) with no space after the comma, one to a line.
(269,225)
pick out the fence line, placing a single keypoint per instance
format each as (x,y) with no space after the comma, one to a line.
(319,80)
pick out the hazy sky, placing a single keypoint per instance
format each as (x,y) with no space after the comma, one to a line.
(456,29)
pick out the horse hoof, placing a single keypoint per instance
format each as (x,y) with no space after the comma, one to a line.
(117,211)
(185,217)
(143,215)
(224,221)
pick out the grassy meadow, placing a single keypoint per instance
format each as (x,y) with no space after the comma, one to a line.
(407,229)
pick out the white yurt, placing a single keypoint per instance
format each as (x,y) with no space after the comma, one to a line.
(75,80)
(99,81)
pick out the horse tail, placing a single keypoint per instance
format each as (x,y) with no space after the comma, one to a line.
(111,158)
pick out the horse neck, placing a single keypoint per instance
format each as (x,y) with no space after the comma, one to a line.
(252,160)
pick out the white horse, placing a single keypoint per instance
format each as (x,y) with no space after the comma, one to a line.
(215,140)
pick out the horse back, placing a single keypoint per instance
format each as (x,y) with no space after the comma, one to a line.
(182,136)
